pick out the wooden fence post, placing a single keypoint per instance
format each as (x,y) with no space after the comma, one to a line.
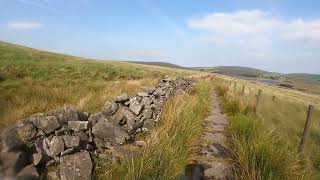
(257,102)
(242,89)
(273,97)
(306,129)
(235,86)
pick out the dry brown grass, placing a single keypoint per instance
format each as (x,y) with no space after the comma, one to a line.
(285,117)
(171,145)
(31,99)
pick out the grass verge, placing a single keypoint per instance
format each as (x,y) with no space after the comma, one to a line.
(257,153)
(169,146)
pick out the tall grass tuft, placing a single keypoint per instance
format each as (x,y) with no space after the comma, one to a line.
(257,153)
(171,145)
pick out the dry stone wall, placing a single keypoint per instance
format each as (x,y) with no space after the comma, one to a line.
(70,138)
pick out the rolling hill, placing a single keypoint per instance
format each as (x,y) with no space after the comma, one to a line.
(161,64)
(313,77)
(236,71)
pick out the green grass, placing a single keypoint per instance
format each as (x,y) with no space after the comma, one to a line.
(171,145)
(259,152)
(285,116)
(34,81)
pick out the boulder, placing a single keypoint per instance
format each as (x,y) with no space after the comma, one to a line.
(147,113)
(83,116)
(10,139)
(142,94)
(26,130)
(99,142)
(46,123)
(37,157)
(122,98)
(65,114)
(84,138)
(125,117)
(135,105)
(78,125)
(151,90)
(28,173)
(159,92)
(71,141)
(94,118)
(109,108)
(109,132)
(13,162)
(38,144)
(76,166)
(146,101)
(53,146)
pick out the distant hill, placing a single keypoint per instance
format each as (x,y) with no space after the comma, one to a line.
(162,64)
(238,71)
(305,76)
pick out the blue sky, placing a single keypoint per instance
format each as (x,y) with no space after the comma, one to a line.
(275,35)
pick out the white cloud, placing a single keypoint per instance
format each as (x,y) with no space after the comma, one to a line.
(300,29)
(24,25)
(239,22)
(256,23)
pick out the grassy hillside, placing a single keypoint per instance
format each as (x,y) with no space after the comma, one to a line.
(237,71)
(310,77)
(161,64)
(34,81)
(308,83)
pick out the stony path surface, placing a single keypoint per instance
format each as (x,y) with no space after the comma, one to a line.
(213,155)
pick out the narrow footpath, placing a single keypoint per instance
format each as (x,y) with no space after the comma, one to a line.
(213,155)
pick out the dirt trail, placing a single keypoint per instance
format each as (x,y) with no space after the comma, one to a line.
(213,155)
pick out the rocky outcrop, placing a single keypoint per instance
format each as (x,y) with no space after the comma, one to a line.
(68,138)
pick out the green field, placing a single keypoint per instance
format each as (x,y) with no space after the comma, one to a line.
(34,81)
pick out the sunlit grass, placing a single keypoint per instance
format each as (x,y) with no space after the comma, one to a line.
(273,135)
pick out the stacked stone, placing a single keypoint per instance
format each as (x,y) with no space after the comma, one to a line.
(69,137)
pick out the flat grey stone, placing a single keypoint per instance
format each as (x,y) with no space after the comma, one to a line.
(135,105)
(78,125)
(26,130)
(37,157)
(76,166)
(109,108)
(46,123)
(122,98)
(53,146)
(109,132)
(65,114)
(83,116)
(125,117)
(142,94)
(71,141)
(147,113)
